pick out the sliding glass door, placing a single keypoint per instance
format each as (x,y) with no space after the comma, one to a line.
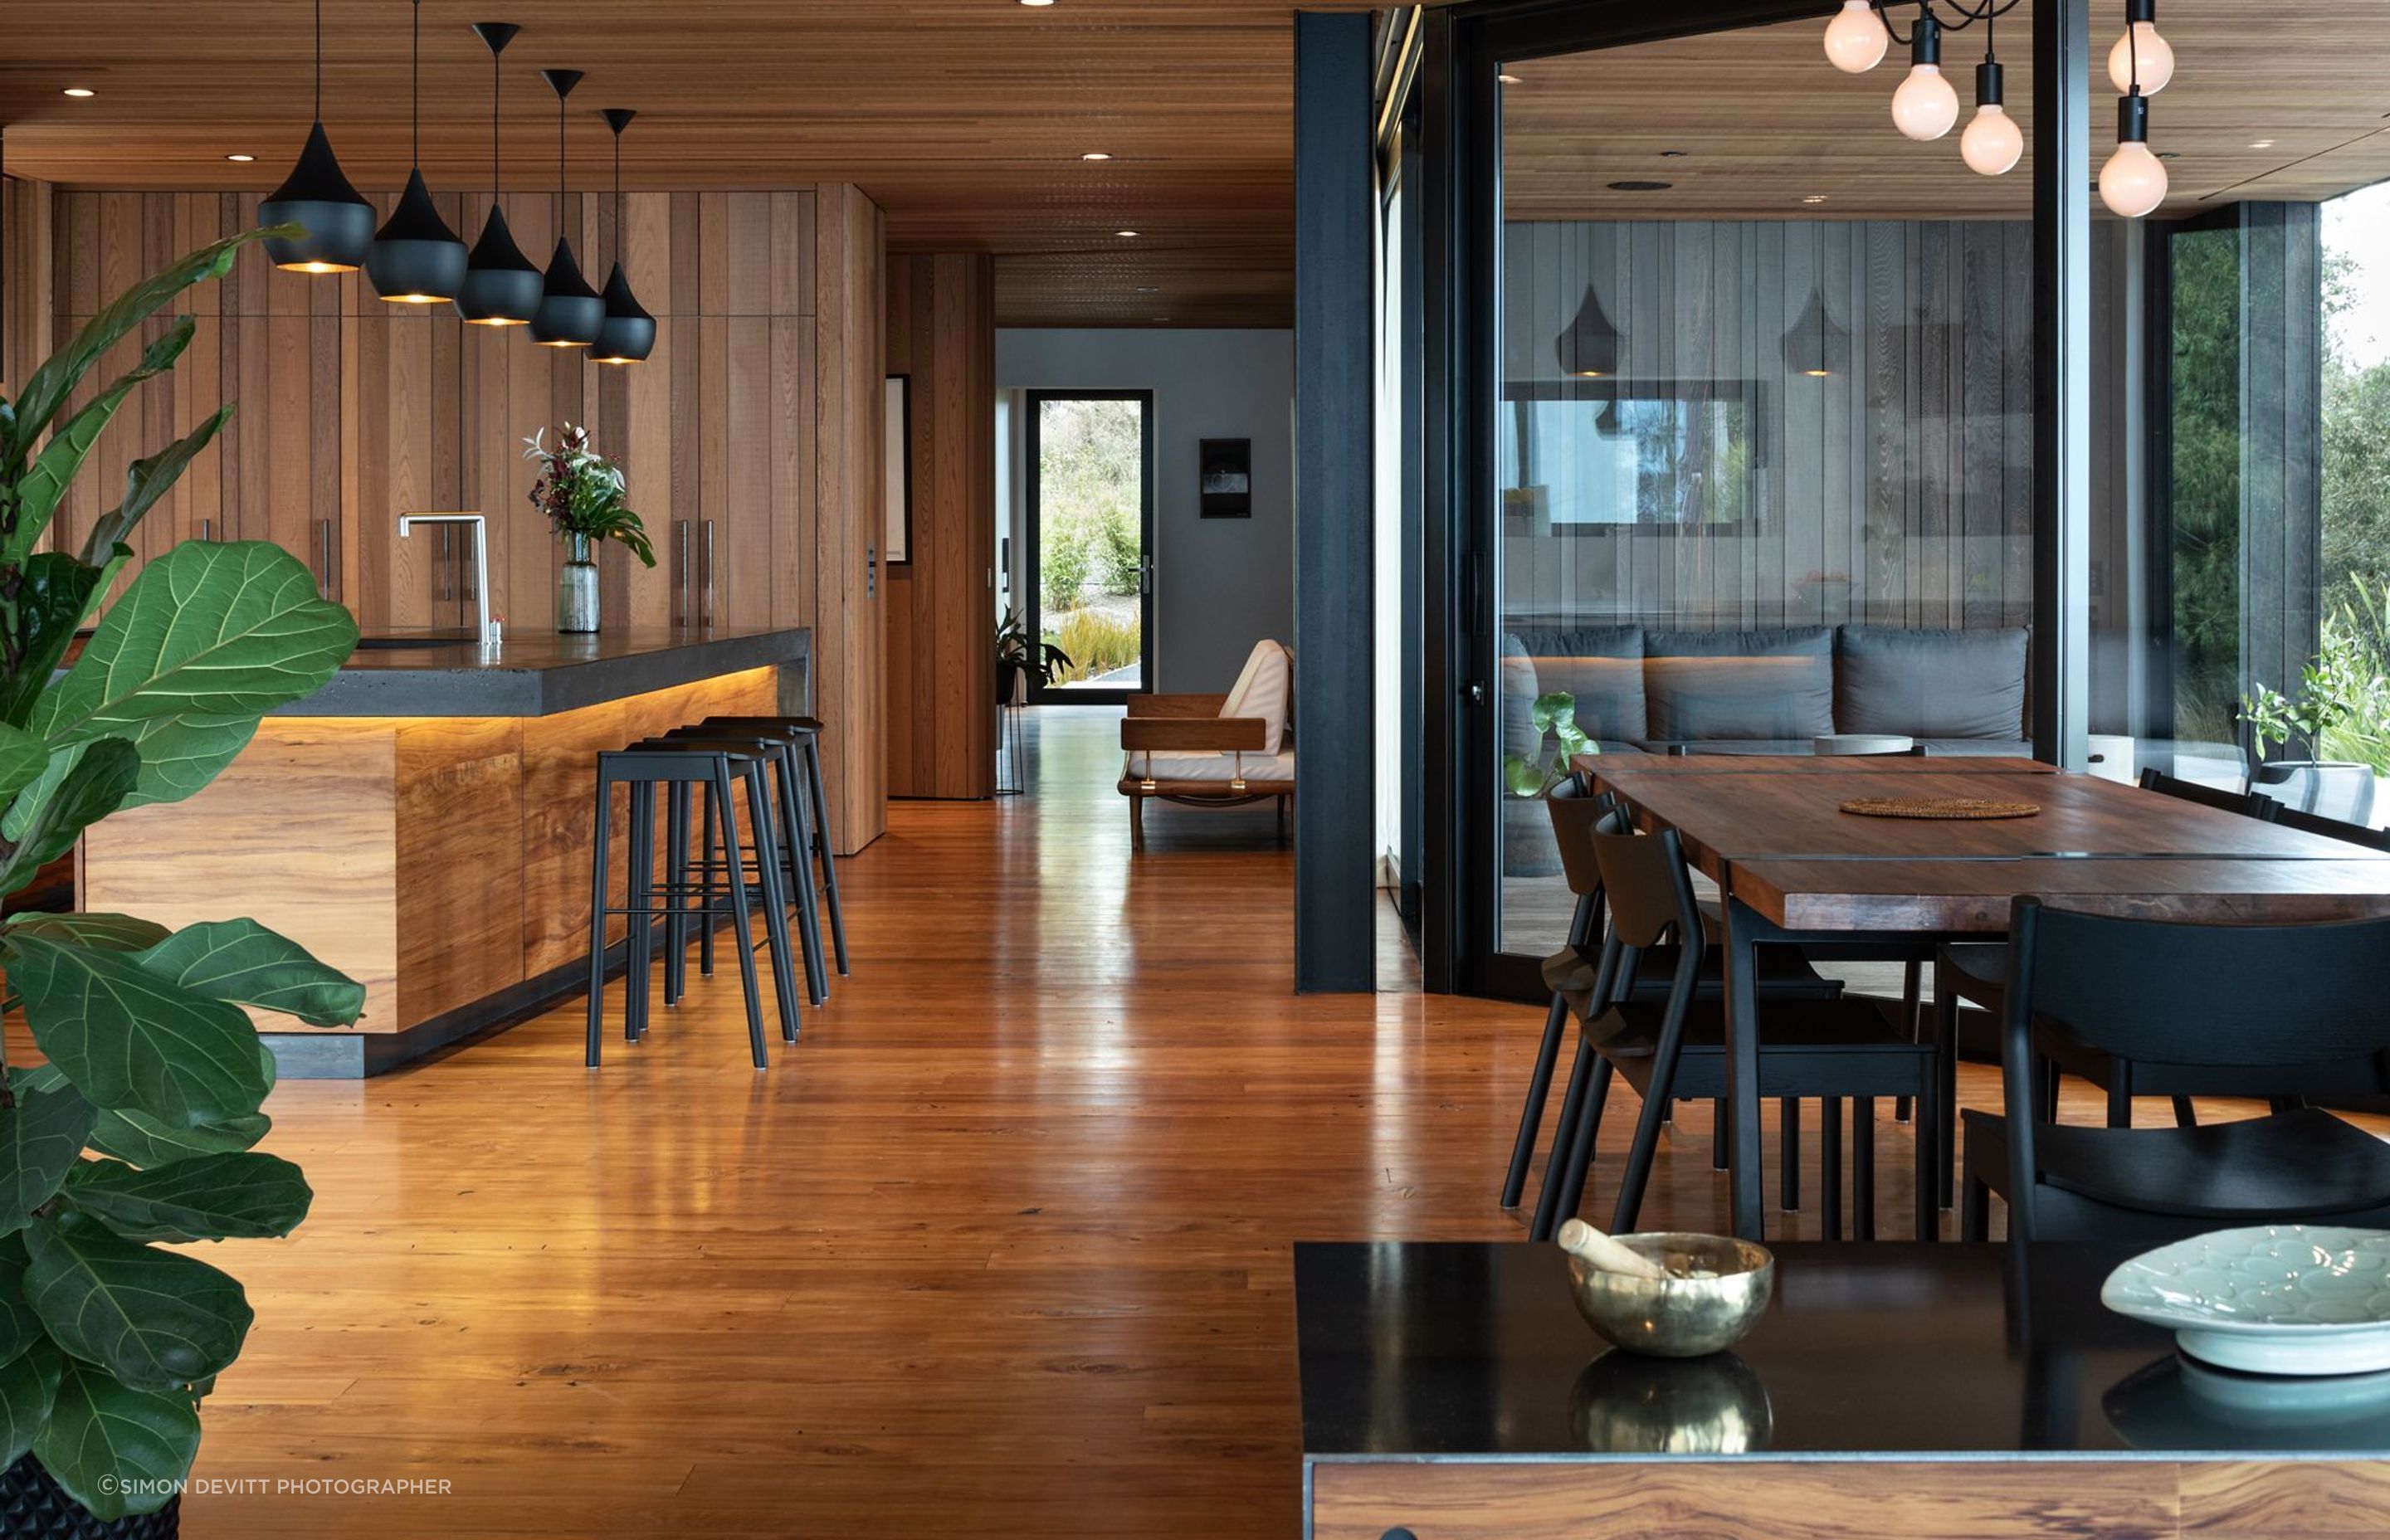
(1090,517)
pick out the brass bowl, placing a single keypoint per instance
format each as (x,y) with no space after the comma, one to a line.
(1678,1317)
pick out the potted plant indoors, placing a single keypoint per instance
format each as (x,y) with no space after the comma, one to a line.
(139,1130)
(582,492)
(2340,718)
(1528,848)
(1018,657)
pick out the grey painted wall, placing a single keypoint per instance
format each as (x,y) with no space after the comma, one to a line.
(1221,584)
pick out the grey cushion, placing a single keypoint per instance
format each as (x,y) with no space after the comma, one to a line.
(1976,747)
(1930,684)
(1603,666)
(1740,684)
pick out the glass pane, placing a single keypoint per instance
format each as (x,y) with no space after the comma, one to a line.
(1751,395)
(1091,539)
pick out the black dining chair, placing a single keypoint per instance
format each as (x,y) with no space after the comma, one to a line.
(1574,806)
(1977,973)
(1829,1049)
(2332,829)
(2212,996)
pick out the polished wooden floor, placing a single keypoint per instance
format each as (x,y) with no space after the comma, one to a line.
(1000,1249)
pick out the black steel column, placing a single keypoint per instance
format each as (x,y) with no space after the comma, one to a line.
(2061,381)
(1335,200)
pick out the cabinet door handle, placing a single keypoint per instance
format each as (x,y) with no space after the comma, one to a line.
(709,574)
(324,565)
(208,530)
(681,535)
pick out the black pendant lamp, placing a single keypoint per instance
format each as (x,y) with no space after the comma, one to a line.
(1815,344)
(570,310)
(502,285)
(417,260)
(317,197)
(629,334)
(1588,348)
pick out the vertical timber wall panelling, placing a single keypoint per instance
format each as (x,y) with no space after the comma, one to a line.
(25,277)
(1335,869)
(941,603)
(850,641)
(1897,490)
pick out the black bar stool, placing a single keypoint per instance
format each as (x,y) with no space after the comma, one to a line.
(805,732)
(642,769)
(760,761)
(795,871)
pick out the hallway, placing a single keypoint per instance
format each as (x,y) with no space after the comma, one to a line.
(1001,1248)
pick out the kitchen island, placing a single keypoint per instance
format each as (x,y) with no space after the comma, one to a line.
(424,822)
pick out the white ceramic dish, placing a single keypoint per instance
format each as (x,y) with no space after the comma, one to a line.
(2272,1299)
(1861,743)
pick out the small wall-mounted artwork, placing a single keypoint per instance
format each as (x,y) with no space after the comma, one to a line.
(899,473)
(1228,473)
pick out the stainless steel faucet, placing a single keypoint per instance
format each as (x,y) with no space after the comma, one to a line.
(407,522)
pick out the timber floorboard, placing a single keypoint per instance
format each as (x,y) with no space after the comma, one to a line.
(1000,1249)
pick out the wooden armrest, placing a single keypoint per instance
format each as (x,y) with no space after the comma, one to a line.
(1176,705)
(1193,733)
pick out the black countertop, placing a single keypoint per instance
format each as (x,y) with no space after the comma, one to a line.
(440,673)
(1431,1352)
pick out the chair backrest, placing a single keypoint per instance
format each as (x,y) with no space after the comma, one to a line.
(1643,878)
(2332,829)
(1265,689)
(1575,808)
(2250,805)
(2165,993)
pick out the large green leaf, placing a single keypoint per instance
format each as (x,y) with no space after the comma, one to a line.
(42,1137)
(82,784)
(47,387)
(211,1198)
(22,759)
(146,482)
(208,638)
(19,1327)
(242,962)
(57,592)
(133,1040)
(154,1318)
(117,1450)
(53,471)
(147,1141)
(107,932)
(29,1384)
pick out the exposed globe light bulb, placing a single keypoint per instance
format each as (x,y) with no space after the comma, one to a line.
(1855,38)
(1926,106)
(1993,142)
(2133,183)
(2154,55)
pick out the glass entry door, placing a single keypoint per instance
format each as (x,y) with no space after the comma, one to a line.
(1090,507)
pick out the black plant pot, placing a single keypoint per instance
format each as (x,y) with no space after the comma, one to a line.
(1008,681)
(1528,847)
(34,1507)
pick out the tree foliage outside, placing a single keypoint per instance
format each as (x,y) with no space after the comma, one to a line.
(1090,533)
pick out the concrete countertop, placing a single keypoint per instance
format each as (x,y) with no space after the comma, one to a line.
(442,673)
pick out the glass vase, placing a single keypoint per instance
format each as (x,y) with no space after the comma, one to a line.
(576,589)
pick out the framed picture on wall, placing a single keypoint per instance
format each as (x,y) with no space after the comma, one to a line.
(1227,469)
(899,471)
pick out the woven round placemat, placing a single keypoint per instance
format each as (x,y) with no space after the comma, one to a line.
(1938,807)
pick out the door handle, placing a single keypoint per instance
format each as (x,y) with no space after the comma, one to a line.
(709,574)
(324,571)
(208,530)
(681,535)
(1145,575)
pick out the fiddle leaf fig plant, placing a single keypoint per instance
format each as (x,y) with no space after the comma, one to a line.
(137,1130)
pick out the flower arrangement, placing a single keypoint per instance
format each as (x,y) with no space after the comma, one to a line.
(582,492)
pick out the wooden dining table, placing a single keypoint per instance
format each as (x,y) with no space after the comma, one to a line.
(1793,869)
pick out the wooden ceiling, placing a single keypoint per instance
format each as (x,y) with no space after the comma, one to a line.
(1762,122)
(964,119)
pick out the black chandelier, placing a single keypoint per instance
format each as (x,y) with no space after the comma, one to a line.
(415,259)
(629,333)
(501,285)
(1926,106)
(317,196)
(570,310)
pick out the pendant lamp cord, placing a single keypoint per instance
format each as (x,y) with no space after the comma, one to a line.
(493,125)
(414,90)
(320,60)
(618,194)
(560,164)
